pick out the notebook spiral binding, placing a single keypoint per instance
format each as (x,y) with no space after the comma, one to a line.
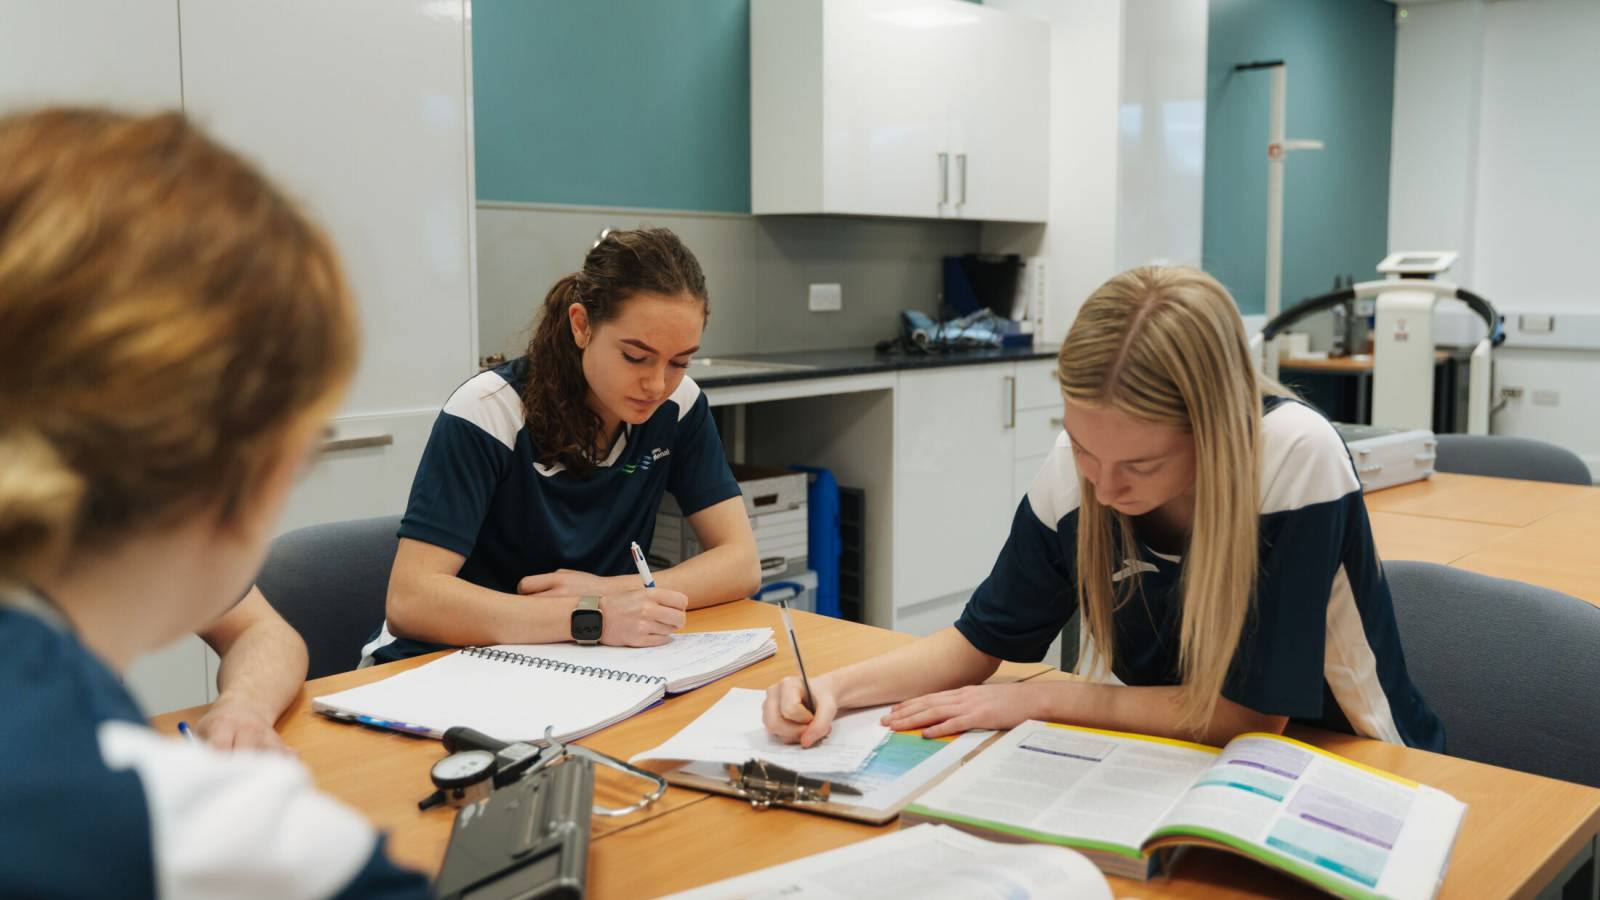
(539,662)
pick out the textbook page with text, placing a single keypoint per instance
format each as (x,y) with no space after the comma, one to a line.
(1126,800)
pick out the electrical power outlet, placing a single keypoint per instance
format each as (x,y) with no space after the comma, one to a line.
(825,298)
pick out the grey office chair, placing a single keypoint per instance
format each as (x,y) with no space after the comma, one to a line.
(1510,668)
(1503,456)
(330,581)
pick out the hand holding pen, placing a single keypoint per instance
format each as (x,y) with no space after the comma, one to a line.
(797,709)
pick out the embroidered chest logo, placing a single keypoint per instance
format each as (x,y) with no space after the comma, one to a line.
(646,461)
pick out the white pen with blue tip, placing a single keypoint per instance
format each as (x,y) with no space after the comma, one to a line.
(644,570)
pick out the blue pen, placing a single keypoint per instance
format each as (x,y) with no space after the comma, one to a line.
(644,570)
(186,731)
(394,725)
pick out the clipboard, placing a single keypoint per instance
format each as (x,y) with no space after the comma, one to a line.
(900,769)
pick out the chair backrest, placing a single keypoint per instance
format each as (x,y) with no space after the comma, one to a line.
(1510,668)
(330,582)
(1503,456)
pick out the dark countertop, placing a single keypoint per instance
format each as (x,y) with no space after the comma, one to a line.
(857,361)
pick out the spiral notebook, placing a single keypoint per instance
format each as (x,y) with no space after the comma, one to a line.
(513,694)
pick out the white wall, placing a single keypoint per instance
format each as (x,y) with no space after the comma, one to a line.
(1127,144)
(1433,165)
(1497,124)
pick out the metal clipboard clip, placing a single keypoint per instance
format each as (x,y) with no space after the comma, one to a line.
(764,783)
(556,751)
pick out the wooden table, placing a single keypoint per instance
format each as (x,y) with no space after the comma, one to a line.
(1532,531)
(384,773)
(1547,822)
(1519,831)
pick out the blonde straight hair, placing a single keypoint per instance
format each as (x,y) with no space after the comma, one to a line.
(1165,344)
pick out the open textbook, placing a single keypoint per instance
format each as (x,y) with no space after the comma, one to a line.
(886,768)
(516,692)
(1125,800)
(928,862)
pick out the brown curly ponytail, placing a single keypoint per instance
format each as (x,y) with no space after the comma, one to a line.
(563,428)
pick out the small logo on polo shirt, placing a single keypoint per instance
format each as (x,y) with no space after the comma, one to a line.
(645,461)
(1133,568)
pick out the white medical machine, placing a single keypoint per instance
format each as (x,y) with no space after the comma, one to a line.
(1403,347)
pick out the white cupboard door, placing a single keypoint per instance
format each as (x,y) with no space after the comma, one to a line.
(885,108)
(952,478)
(1037,387)
(360,110)
(1003,104)
(117,53)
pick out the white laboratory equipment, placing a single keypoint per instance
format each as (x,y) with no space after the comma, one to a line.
(1403,346)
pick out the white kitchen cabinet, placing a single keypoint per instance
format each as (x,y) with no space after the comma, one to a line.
(366,123)
(963,443)
(911,108)
(117,53)
(952,478)
(1000,121)
(1038,422)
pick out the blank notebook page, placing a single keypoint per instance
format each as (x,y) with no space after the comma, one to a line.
(503,698)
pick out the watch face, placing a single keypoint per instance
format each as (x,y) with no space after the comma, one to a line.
(463,768)
(587,624)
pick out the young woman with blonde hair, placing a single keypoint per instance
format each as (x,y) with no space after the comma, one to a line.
(1209,526)
(173,336)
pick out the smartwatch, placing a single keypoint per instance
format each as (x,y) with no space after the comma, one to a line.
(588,621)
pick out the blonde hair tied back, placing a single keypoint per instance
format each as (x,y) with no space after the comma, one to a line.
(39,501)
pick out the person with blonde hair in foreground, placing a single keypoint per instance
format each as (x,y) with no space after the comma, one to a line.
(173,336)
(1211,530)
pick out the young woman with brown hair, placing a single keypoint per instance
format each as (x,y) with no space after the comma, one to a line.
(540,473)
(173,337)
(1212,531)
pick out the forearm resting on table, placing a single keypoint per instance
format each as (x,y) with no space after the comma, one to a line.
(1145,710)
(718,575)
(263,659)
(445,609)
(939,662)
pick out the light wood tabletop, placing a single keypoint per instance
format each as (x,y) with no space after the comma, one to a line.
(1560,551)
(1354,364)
(1518,832)
(1443,541)
(1474,498)
(1530,531)
(383,774)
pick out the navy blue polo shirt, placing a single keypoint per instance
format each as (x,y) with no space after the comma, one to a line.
(480,493)
(1320,645)
(102,806)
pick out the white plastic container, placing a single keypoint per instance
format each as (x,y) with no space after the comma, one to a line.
(774,589)
(1386,457)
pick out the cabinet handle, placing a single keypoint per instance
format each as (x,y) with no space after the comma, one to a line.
(961,167)
(1058,422)
(1011,401)
(944,178)
(357,443)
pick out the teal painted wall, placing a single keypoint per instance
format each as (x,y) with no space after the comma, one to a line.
(1341,90)
(613,102)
